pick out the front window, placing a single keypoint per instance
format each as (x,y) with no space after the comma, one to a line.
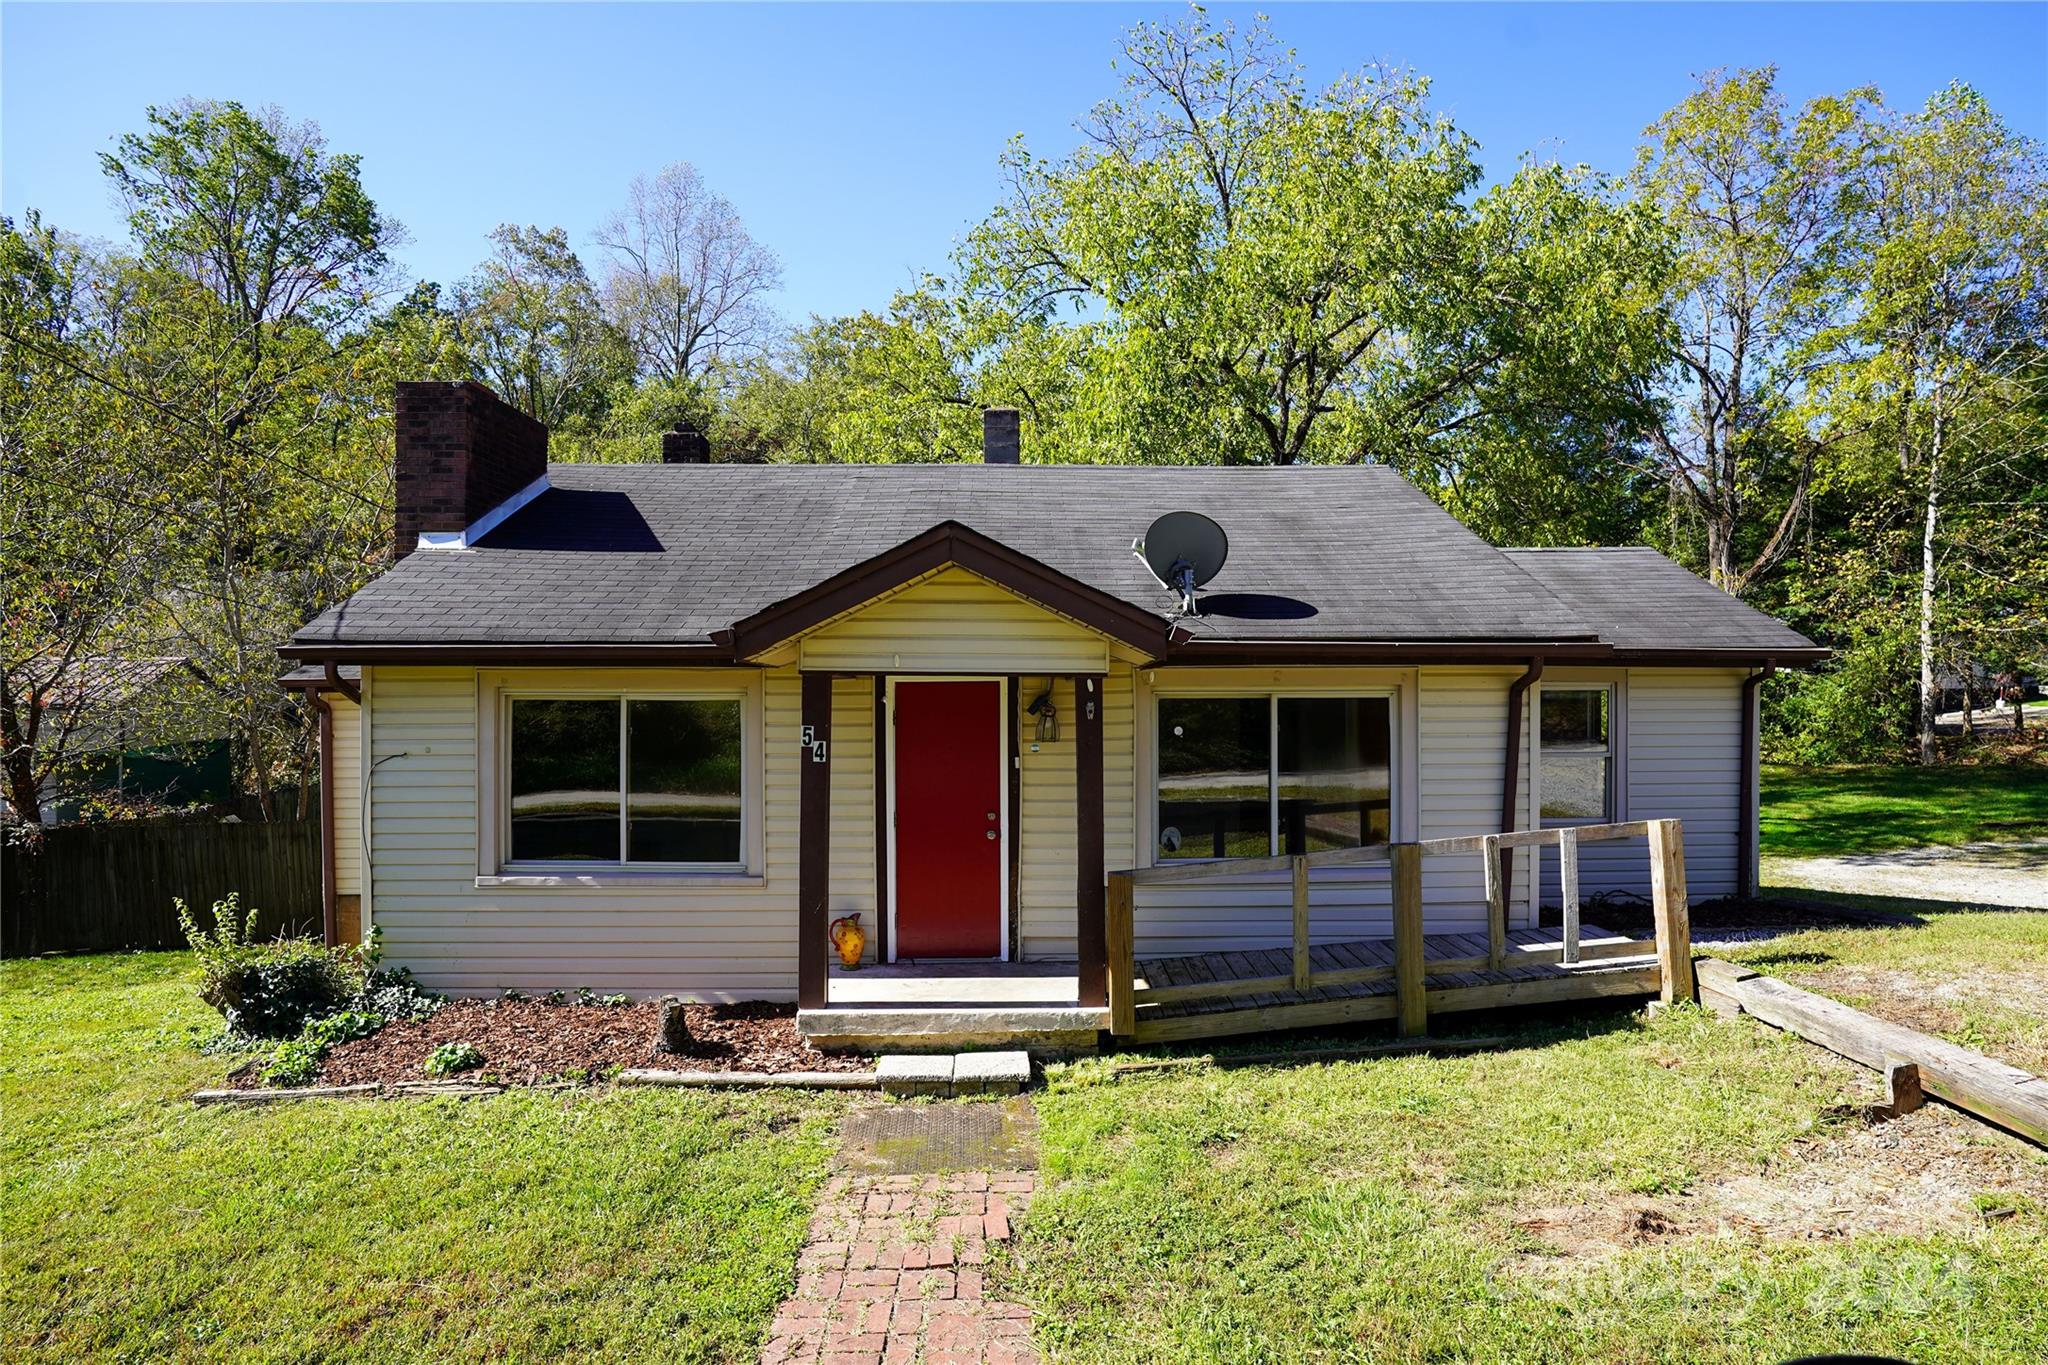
(1248,777)
(1578,755)
(625,780)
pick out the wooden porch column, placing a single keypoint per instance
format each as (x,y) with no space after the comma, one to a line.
(1088,872)
(814,840)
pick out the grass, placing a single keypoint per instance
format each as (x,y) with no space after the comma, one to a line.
(1978,978)
(591,1225)
(1827,811)
(1368,1211)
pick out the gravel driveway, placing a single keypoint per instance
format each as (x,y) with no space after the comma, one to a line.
(2013,875)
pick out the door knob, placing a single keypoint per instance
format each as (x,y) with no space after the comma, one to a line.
(991,834)
(991,815)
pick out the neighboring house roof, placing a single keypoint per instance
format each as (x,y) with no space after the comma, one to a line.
(678,557)
(1639,600)
(96,680)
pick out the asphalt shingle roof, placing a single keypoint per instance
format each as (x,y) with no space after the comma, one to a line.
(1638,599)
(668,554)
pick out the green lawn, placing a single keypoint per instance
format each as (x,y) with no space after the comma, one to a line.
(1822,811)
(1979,978)
(620,1225)
(1379,1210)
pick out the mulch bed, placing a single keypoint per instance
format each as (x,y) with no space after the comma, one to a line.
(525,1042)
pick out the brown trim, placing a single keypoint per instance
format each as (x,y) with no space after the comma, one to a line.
(1394,652)
(352,691)
(462,652)
(330,923)
(1746,812)
(1089,884)
(814,842)
(1721,658)
(1511,770)
(950,543)
(1014,776)
(881,818)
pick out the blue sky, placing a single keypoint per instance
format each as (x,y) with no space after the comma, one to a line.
(860,141)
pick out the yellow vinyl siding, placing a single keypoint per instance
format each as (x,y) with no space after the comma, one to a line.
(347,795)
(853,804)
(955,622)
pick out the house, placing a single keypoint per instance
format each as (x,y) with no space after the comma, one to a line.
(126,733)
(649,728)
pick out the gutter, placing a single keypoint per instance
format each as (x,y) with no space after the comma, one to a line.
(1746,813)
(1511,770)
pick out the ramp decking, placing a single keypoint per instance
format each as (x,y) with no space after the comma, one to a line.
(1211,995)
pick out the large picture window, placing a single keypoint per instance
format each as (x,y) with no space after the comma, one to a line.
(1577,732)
(1248,777)
(625,780)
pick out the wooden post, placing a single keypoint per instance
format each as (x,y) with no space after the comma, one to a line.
(1090,946)
(1411,995)
(1668,904)
(1120,935)
(1568,887)
(814,839)
(1301,962)
(1903,1092)
(1496,904)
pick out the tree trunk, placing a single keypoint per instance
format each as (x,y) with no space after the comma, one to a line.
(1930,695)
(1969,705)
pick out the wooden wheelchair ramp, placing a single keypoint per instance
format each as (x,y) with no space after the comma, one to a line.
(1211,995)
(1411,975)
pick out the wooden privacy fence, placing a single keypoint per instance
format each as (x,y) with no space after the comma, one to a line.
(99,887)
(1668,897)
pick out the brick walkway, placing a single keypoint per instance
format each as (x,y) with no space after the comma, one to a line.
(892,1273)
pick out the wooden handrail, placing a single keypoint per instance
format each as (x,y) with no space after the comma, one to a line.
(1409,970)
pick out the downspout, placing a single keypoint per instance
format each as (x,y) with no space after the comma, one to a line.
(352,691)
(1746,816)
(330,923)
(1511,770)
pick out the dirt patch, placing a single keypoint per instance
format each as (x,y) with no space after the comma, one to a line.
(1943,1005)
(527,1041)
(1931,1170)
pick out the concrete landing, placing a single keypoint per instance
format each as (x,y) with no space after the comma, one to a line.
(1040,1029)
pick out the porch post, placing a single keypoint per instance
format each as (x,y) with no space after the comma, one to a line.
(814,840)
(1089,886)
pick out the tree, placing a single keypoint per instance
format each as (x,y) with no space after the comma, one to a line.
(259,261)
(1757,200)
(685,282)
(1273,275)
(1947,366)
(80,519)
(536,331)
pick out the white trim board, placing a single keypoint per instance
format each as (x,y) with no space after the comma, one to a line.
(469,535)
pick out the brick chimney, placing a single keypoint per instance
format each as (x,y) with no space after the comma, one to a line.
(461,451)
(688,446)
(1002,439)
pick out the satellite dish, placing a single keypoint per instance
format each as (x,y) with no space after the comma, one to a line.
(1183,550)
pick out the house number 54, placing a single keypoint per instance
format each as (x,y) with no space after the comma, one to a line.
(813,743)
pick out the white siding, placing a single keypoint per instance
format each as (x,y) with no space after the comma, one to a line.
(1682,760)
(735,940)
(347,795)
(1449,728)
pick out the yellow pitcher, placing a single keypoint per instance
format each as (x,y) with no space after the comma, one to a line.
(850,939)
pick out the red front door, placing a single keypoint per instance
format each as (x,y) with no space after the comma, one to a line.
(948,871)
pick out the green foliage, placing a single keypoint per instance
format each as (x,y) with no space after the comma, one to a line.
(1857,708)
(450,1058)
(266,990)
(297,1061)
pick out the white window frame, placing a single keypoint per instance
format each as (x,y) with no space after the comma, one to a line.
(1617,799)
(495,868)
(1274,694)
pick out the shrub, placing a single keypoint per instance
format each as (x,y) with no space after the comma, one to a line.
(268,990)
(395,995)
(297,1062)
(450,1058)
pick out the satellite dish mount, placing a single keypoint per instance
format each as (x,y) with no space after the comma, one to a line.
(1183,550)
